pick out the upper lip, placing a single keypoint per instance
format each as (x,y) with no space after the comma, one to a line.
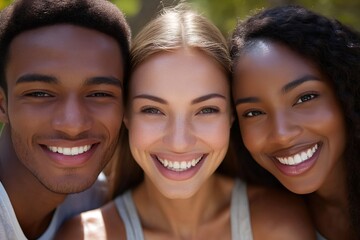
(68,143)
(178,157)
(290,151)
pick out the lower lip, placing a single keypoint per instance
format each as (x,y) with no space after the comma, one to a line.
(294,170)
(69,160)
(178,175)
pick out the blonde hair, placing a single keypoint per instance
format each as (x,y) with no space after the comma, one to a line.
(179,27)
(173,28)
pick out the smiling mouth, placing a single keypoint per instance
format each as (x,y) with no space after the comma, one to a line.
(299,157)
(180,166)
(72,151)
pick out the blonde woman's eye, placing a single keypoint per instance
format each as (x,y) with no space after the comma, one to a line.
(151,110)
(307,97)
(208,110)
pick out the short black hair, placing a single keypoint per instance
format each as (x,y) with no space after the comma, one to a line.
(99,15)
(335,49)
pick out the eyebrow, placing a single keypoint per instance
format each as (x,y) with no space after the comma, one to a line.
(286,88)
(207,97)
(195,101)
(104,80)
(150,97)
(28,78)
(246,100)
(299,81)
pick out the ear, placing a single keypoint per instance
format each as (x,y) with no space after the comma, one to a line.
(126,120)
(3,107)
(232,116)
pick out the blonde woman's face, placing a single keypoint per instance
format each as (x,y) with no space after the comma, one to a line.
(179,120)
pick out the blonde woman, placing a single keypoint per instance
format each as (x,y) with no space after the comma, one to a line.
(179,116)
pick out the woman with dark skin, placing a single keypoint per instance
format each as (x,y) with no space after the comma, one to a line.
(178,117)
(296,87)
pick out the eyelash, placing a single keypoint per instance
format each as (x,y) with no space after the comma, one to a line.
(254,113)
(38,94)
(306,97)
(204,111)
(208,110)
(150,110)
(99,94)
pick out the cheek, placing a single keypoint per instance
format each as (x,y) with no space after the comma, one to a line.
(112,120)
(327,120)
(143,134)
(252,136)
(334,128)
(216,134)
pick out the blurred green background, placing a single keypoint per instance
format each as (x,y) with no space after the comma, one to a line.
(225,13)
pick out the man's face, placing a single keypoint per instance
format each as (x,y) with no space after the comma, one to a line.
(64,104)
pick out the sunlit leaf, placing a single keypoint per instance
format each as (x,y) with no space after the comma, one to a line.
(130,8)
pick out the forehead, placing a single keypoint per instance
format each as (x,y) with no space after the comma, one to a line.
(269,55)
(53,48)
(60,35)
(267,61)
(179,71)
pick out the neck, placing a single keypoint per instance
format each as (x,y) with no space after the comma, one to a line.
(33,204)
(184,218)
(330,207)
(334,190)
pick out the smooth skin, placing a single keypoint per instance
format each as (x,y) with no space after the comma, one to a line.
(63,111)
(179,112)
(286,107)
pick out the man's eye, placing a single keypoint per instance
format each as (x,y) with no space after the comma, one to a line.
(99,94)
(38,94)
(306,97)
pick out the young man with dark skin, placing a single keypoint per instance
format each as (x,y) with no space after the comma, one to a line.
(63,64)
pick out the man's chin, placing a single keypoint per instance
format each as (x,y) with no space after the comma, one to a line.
(69,187)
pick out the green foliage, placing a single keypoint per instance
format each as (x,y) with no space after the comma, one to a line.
(4,3)
(225,13)
(130,8)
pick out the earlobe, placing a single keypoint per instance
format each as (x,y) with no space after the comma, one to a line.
(3,107)
(232,117)
(126,121)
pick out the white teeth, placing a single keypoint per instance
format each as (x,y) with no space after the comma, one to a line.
(70,151)
(179,166)
(299,157)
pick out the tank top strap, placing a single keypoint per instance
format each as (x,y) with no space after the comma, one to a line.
(127,210)
(240,213)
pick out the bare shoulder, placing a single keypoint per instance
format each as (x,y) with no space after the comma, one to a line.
(101,223)
(279,214)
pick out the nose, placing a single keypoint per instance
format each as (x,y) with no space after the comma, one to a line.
(284,129)
(72,117)
(179,135)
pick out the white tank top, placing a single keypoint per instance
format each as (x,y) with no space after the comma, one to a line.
(240,214)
